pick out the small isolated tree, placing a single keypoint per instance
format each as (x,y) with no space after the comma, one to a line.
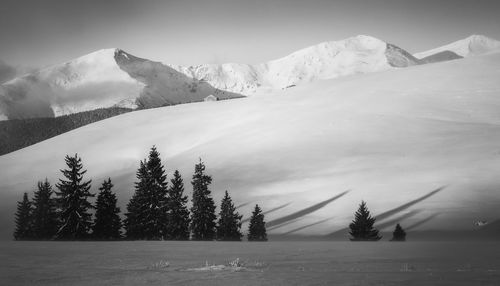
(72,200)
(399,234)
(178,219)
(107,224)
(361,228)
(23,221)
(203,209)
(257,227)
(229,224)
(45,218)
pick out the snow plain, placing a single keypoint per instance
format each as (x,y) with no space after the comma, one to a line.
(389,138)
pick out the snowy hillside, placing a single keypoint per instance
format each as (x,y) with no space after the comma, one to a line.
(474,45)
(113,77)
(392,138)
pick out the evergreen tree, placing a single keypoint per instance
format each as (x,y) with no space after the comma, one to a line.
(203,209)
(361,228)
(72,200)
(45,218)
(147,211)
(137,205)
(23,221)
(257,227)
(229,224)
(107,222)
(399,234)
(178,220)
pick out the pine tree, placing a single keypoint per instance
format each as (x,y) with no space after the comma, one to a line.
(178,219)
(257,227)
(399,234)
(157,216)
(203,209)
(23,220)
(229,224)
(45,219)
(136,208)
(361,228)
(72,200)
(107,224)
(147,211)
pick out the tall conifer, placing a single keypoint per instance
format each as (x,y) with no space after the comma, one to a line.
(178,219)
(203,209)
(257,226)
(45,219)
(23,220)
(147,211)
(72,200)
(107,224)
(229,224)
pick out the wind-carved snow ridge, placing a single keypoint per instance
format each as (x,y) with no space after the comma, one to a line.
(474,45)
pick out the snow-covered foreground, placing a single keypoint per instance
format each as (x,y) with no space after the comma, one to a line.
(269,263)
(389,138)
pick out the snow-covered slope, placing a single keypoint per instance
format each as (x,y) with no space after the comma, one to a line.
(391,138)
(113,77)
(474,45)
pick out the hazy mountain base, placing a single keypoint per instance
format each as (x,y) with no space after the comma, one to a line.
(269,263)
(19,133)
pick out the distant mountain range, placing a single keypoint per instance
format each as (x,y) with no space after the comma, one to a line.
(115,78)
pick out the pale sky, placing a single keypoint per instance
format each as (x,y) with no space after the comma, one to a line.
(39,33)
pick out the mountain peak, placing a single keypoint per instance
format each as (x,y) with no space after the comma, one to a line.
(474,45)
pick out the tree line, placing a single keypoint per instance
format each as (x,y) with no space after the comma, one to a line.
(156,211)
(19,133)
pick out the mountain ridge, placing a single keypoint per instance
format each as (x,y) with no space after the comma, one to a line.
(113,77)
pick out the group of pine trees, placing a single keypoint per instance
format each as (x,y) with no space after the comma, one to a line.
(67,215)
(362,227)
(157,210)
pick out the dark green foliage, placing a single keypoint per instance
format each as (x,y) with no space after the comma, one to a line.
(19,133)
(178,219)
(45,219)
(229,224)
(147,211)
(23,221)
(257,227)
(361,228)
(399,234)
(203,210)
(107,224)
(72,201)
(136,206)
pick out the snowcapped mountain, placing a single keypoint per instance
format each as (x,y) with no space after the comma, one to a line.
(474,45)
(105,78)
(112,77)
(391,138)
(360,54)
